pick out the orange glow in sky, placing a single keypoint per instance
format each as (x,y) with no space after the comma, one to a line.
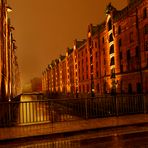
(44,29)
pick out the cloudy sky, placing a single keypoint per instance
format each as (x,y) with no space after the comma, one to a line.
(44,29)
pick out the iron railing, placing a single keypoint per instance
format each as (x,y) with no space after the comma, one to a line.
(59,110)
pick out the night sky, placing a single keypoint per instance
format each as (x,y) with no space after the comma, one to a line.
(44,29)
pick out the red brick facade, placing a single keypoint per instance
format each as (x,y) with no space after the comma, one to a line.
(113,58)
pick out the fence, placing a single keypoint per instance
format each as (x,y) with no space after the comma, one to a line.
(60,110)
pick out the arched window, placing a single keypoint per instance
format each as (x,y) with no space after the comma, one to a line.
(109,25)
(111,38)
(113,73)
(111,49)
(112,62)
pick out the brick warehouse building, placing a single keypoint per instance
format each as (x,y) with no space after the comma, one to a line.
(113,58)
(9,69)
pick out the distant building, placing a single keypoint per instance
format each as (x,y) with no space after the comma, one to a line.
(112,59)
(9,69)
(36,85)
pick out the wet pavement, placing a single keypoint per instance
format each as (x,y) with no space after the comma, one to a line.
(71,126)
(121,137)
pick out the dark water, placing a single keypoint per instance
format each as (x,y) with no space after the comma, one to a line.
(132,141)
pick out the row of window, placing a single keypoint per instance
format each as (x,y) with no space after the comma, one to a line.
(86,88)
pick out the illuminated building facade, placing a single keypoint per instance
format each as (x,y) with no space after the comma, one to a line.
(9,70)
(113,59)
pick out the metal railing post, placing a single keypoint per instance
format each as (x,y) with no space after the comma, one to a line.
(117,105)
(86,109)
(145,103)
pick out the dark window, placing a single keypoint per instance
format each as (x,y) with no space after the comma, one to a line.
(131,37)
(119,30)
(120,43)
(111,38)
(91,68)
(128,55)
(96,64)
(82,53)
(87,88)
(87,76)
(144,13)
(113,73)
(111,49)
(92,77)
(83,88)
(112,61)
(120,54)
(109,24)
(97,74)
(95,44)
(139,90)
(86,59)
(98,87)
(146,29)
(121,68)
(80,88)
(96,54)
(92,44)
(90,50)
(130,91)
(137,51)
(91,59)
(103,40)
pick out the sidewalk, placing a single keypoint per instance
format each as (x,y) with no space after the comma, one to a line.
(69,127)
